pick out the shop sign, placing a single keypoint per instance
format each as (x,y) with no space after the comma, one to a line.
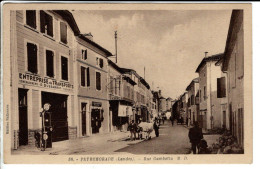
(96,104)
(115,97)
(45,82)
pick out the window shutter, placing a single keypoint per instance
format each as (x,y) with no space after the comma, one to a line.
(88,77)
(98,81)
(223,86)
(50,25)
(83,70)
(49,63)
(218,87)
(64,68)
(63,32)
(31,18)
(86,54)
(101,64)
(42,20)
(32,57)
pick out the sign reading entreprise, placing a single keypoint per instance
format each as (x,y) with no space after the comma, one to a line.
(36,80)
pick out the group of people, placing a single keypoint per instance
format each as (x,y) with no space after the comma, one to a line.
(198,144)
(134,129)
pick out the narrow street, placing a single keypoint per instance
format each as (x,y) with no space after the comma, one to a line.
(172,140)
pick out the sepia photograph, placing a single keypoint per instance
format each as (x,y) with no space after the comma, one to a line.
(127,83)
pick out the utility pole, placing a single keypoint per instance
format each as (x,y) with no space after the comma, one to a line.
(116,44)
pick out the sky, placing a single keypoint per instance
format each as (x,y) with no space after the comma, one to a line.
(170,44)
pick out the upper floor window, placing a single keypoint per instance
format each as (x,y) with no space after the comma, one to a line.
(63,32)
(85,78)
(100,62)
(32,57)
(64,68)
(46,23)
(31,18)
(98,80)
(84,54)
(49,63)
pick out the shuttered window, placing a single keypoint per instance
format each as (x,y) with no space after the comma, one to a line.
(83,75)
(46,23)
(32,57)
(49,63)
(63,32)
(221,87)
(31,18)
(98,80)
(101,64)
(84,54)
(64,68)
(88,77)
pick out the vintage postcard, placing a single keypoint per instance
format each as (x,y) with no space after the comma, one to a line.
(127,83)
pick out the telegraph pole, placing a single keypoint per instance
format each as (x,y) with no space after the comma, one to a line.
(116,44)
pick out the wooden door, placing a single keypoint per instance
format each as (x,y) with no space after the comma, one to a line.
(23,117)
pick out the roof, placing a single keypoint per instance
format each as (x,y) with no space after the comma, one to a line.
(129,80)
(196,80)
(115,66)
(142,80)
(236,22)
(68,17)
(107,53)
(207,59)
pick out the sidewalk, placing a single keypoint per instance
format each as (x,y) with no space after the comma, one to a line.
(105,143)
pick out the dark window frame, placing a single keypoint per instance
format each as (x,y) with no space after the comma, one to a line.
(31,19)
(51,74)
(64,75)
(32,61)
(46,27)
(63,33)
(98,81)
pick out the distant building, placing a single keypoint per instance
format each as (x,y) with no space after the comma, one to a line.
(193,106)
(210,116)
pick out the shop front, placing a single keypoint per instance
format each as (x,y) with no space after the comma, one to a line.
(33,92)
(122,114)
(97,116)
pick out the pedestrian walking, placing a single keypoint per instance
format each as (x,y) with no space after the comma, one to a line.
(195,136)
(172,120)
(132,127)
(156,127)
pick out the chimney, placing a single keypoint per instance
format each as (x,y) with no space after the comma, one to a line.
(88,35)
(206,53)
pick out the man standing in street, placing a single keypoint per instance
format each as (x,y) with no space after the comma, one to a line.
(195,135)
(132,127)
(156,127)
(172,120)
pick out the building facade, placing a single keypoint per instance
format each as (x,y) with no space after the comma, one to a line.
(92,91)
(193,108)
(233,66)
(210,108)
(42,64)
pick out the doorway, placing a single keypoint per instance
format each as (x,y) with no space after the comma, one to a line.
(59,116)
(224,119)
(83,118)
(23,116)
(95,120)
